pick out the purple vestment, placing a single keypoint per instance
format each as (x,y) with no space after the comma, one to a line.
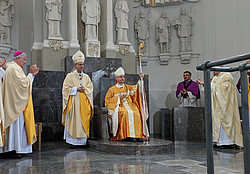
(193,87)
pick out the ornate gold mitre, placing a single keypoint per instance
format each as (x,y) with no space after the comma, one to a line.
(78,57)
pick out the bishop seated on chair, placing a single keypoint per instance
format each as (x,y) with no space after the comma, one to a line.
(125,109)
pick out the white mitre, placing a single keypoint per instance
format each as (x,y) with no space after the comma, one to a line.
(78,57)
(119,71)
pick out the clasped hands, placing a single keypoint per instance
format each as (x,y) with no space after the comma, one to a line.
(2,62)
(122,96)
(80,89)
(34,70)
(200,81)
(184,91)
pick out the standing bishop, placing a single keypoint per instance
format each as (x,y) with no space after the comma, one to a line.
(19,121)
(124,103)
(77,103)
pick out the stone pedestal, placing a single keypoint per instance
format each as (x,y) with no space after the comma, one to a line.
(164,57)
(99,124)
(47,100)
(185,57)
(189,124)
(166,124)
(91,48)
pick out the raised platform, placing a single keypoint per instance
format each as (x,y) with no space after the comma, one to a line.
(151,147)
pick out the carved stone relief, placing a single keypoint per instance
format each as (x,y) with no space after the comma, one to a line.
(55,44)
(93,49)
(124,49)
(6,15)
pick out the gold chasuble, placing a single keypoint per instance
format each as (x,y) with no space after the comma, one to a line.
(78,108)
(17,98)
(128,116)
(225,109)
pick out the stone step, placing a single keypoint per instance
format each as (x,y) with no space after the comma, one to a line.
(151,147)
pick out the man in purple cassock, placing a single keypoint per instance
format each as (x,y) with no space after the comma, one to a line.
(188,91)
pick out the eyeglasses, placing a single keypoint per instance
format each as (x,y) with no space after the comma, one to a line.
(186,75)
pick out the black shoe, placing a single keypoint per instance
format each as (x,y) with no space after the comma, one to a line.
(215,146)
(23,154)
(126,139)
(133,140)
(17,156)
(72,147)
(237,147)
(12,155)
(140,139)
(227,147)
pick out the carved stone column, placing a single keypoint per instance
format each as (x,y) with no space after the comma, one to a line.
(73,25)
(106,28)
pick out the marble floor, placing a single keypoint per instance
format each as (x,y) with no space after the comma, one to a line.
(57,157)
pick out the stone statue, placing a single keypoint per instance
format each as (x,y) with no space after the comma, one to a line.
(6,15)
(142,30)
(162,27)
(54,17)
(121,14)
(91,11)
(184,29)
(162,2)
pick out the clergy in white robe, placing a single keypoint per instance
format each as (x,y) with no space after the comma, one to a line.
(227,129)
(77,103)
(19,121)
(225,111)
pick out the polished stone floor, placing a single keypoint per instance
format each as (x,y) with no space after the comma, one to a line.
(186,158)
